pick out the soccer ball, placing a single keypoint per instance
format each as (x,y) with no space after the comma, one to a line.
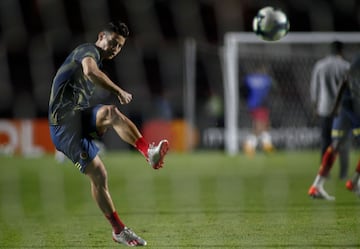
(271,24)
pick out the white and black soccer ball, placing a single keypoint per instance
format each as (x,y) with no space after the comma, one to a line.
(271,24)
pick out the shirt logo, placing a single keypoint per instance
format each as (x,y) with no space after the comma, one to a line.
(83,155)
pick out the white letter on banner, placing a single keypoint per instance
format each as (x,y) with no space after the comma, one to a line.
(28,147)
(9,130)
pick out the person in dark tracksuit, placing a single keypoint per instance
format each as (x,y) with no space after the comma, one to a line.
(328,73)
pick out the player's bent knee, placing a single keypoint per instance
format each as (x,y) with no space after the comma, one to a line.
(108,116)
(116,115)
(105,115)
(102,113)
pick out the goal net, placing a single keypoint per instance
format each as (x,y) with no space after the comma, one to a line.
(289,62)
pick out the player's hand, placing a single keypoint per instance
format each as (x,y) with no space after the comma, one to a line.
(124,97)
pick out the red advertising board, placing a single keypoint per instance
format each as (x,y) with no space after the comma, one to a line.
(29,137)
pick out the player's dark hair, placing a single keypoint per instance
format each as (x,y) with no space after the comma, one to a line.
(337,47)
(117,27)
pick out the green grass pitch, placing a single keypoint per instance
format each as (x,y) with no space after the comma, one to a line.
(199,200)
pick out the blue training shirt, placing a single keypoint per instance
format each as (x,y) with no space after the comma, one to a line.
(71,90)
(259,86)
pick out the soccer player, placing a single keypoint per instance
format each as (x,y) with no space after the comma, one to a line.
(327,76)
(74,123)
(348,101)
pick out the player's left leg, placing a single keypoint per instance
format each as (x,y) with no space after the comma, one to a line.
(344,157)
(353,184)
(250,145)
(325,135)
(317,190)
(109,116)
(96,171)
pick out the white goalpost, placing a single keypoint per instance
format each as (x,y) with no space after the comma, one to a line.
(236,43)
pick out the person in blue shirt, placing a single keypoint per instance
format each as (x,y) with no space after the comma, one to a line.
(74,123)
(257,87)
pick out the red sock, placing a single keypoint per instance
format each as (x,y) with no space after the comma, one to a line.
(115,222)
(142,145)
(327,161)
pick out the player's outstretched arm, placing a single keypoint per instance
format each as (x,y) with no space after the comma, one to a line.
(95,75)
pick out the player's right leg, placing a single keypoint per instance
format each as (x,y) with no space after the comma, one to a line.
(109,116)
(156,154)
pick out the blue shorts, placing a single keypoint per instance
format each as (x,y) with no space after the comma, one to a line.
(344,123)
(75,137)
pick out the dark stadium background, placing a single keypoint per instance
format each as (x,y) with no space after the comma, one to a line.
(36,35)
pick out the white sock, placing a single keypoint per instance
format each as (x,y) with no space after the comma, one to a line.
(265,138)
(251,141)
(319,181)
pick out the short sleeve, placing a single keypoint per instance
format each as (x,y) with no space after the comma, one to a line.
(87,50)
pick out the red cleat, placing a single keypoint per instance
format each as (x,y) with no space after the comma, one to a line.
(319,193)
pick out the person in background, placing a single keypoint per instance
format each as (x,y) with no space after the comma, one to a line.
(347,104)
(256,88)
(327,76)
(74,123)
